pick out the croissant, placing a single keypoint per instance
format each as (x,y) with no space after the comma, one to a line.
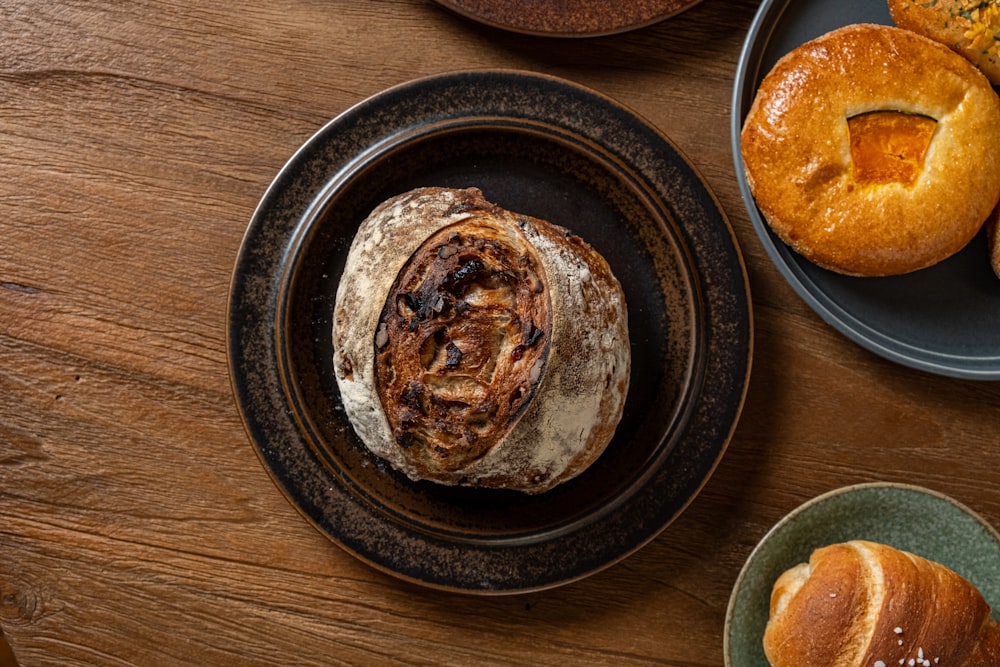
(864,604)
(474,346)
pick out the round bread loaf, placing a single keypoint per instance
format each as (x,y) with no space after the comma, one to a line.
(474,346)
(969,27)
(874,151)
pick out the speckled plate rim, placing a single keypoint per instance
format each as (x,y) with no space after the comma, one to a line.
(598,17)
(747,611)
(822,291)
(510,565)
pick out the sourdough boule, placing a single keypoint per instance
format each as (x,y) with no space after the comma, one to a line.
(475,346)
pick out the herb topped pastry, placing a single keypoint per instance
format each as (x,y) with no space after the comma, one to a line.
(970,27)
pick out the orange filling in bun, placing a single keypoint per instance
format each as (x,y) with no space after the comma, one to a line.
(889,146)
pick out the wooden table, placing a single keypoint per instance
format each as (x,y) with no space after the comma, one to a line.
(137,525)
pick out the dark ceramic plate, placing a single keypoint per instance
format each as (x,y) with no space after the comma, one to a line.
(539,146)
(906,517)
(941,319)
(569,18)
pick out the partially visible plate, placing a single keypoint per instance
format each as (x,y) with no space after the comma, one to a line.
(569,18)
(911,518)
(941,319)
(540,146)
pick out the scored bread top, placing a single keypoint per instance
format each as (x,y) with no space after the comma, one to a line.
(479,347)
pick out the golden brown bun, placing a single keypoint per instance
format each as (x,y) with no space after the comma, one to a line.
(479,347)
(969,27)
(811,189)
(866,604)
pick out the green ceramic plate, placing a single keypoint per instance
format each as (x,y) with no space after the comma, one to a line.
(914,519)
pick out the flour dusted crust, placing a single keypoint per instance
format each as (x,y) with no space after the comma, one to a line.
(475,346)
(797,154)
(969,27)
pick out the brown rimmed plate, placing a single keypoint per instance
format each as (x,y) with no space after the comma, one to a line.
(544,147)
(568,18)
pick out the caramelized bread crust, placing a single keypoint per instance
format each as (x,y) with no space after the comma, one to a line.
(796,148)
(462,342)
(864,603)
(969,27)
(479,347)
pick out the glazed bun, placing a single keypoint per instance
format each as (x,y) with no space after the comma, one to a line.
(874,151)
(475,346)
(969,27)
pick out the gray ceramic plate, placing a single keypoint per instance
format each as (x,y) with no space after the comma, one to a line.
(942,319)
(539,146)
(914,519)
(568,18)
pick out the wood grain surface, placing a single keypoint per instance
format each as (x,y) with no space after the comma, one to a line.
(138,527)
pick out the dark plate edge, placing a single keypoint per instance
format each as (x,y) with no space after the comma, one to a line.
(569,34)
